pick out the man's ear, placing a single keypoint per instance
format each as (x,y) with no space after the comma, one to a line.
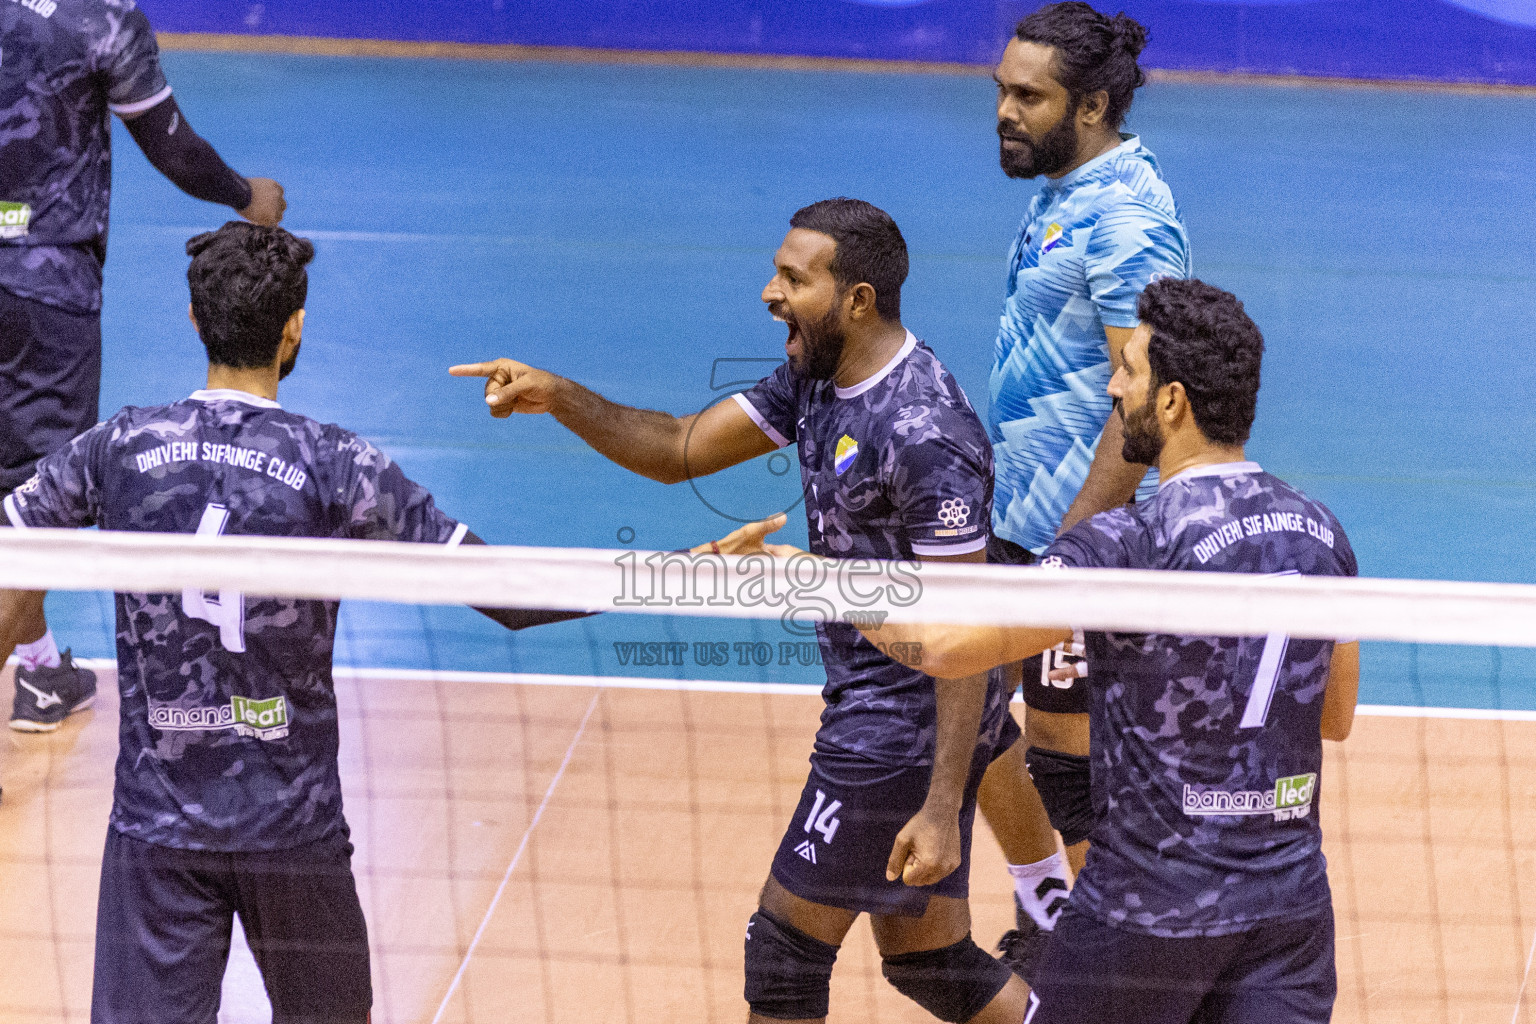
(193,317)
(1092,108)
(293,334)
(861,301)
(1173,403)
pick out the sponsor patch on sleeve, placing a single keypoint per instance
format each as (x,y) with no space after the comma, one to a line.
(15,219)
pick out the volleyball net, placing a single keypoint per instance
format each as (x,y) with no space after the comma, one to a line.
(545,848)
(804,589)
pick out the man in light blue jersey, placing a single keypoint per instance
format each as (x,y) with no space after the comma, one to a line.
(1101,229)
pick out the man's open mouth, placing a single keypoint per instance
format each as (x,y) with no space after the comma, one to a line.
(793,340)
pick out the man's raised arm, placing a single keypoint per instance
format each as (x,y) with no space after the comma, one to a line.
(657,445)
(193,165)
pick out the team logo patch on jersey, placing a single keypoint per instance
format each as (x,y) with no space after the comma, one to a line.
(1053,236)
(954,512)
(847,451)
(15,219)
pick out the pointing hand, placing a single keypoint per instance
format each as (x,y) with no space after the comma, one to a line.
(511,386)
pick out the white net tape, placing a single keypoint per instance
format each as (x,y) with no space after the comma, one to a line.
(1420,611)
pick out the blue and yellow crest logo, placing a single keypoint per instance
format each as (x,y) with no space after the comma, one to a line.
(847,451)
(1053,236)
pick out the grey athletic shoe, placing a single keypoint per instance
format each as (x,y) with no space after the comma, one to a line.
(47,696)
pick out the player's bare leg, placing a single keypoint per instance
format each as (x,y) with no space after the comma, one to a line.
(946,923)
(21,619)
(1012,809)
(1067,733)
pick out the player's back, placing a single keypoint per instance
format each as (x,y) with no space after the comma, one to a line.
(229,734)
(1207,750)
(65,63)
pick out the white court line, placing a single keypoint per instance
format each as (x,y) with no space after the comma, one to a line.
(1515,1019)
(417,675)
(496,899)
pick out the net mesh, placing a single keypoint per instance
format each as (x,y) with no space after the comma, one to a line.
(588,844)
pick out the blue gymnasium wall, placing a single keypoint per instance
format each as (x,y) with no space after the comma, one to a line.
(1443,40)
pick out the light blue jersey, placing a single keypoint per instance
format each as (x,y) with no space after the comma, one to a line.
(1090,243)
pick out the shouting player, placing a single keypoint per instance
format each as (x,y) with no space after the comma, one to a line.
(228,798)
(1100,230)
(895,465)
(66,64)
(1205,894)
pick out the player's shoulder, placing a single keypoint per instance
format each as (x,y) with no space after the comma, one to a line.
(168,421)
(1313,509)
(339,445)
(103,22)
(1114,538)
(1130,188)
(926,392)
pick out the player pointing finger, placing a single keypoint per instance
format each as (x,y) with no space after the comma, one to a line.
(511,386)
(883,824)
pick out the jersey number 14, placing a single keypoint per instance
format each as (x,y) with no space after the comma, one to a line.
(227,611)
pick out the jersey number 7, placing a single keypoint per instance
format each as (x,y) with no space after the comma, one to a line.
(227,611)
(1256,713)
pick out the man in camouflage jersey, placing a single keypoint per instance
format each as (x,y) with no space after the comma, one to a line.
(65,66)
(228,798)
(895,465)
(1205,894)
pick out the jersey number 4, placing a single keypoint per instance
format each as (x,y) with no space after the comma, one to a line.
(227,611)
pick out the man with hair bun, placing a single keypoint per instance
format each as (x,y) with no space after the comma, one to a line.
(1101,229)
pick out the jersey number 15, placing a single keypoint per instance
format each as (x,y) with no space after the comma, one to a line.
(227,611)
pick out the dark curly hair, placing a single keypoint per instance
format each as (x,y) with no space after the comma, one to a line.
(246,282)
(1094,53)
(1202,338)
(870,249)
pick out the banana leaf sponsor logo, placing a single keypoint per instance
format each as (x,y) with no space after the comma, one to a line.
(260,719)
(1290,798)
(15,219)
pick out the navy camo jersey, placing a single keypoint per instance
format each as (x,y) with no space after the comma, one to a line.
(1206,751)
(64,66)
(897,467)
(228,735)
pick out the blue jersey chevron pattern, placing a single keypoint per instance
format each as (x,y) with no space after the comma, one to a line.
(1088,246)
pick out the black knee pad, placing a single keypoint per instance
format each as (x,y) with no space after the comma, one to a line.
(954,983)
(789,973)
(1063,782)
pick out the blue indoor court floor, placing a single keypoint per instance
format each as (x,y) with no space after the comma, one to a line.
(616,224)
